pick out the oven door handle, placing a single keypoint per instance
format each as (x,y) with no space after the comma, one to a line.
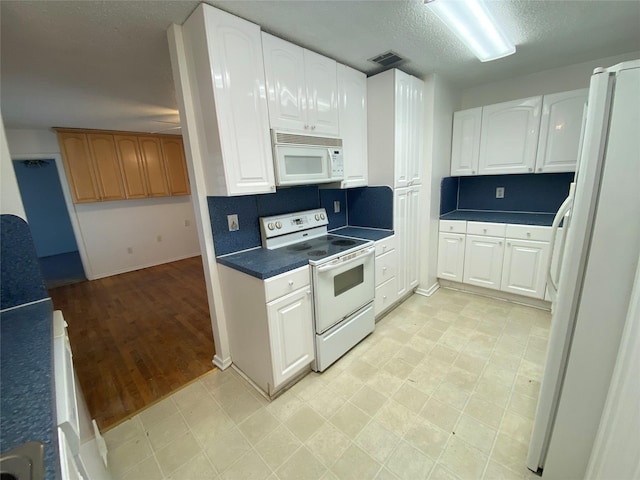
(332,266)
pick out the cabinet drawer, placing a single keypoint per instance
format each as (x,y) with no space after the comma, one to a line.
(386,295)
(385,245)
(285,283)
(386,266)
(529,232)
(488,229)
(453,226)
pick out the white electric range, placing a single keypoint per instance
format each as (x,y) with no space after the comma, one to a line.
(342,278)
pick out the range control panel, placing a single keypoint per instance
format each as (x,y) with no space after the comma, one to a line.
(278,225)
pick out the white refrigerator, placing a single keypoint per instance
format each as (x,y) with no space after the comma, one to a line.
(596,278)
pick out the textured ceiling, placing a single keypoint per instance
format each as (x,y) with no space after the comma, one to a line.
(105,64)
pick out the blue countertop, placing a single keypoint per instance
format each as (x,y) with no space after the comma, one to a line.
(263,263)
(27,397)
(519,218)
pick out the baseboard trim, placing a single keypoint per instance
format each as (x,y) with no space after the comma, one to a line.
(221,363)
(429,291)
(143,266)
(497,294)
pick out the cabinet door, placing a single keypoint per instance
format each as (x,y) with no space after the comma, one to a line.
(402,126)
(132,166)
(175,165)
(483,258)
(79,167)
(400,220)
(525,265)
(509,136)
(290,335)
(451,256)
(465,144)
(156,175)
(416,132)
(322,93)
(108,172)
(352,103)
(560,128)
(413,237)
(286,91)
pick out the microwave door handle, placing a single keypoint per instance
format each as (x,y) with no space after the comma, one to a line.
(333,266)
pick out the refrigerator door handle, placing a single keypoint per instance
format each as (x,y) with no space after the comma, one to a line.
(552,282)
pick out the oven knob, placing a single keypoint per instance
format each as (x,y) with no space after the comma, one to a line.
(322,216)
(278,225)
(317,217)
(271,226)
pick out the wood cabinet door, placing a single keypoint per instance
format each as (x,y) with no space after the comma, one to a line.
(132,167)
(352,108)
(286,91)
(79,167)
(154,166)
(322,93)
(108,172)
(525,267)
(290,335)
(465,145)
(176,166)
(560,129)
(451,256)
(483,258)
(509,136)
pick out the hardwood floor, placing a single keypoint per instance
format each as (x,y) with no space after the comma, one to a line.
(138,336)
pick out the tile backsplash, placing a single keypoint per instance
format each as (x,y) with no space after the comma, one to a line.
(364,207)
(540,193)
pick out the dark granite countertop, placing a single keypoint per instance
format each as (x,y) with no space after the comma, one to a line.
(27,397)
(263,263)
(518,218)
(363,233)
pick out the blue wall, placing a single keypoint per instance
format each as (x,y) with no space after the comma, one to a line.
(364,207)
(46,210)
(540,193)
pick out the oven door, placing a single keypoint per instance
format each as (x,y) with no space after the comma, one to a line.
(300,165)
(342,286)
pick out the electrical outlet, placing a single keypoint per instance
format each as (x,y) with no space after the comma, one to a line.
(159,238)
(187,223)
(336,206)
(499,192)
(232,220)
(129,250)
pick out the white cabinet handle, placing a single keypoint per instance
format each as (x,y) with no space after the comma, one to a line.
(460,239)
(306,127)
(473,172)
(384,247)
(384,269)
(531,169)
(500,243)
(508,244)
(313,127)
(528,234)
(484,230)
(291,283)
(450,227)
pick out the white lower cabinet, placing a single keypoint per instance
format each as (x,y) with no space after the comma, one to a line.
(270,325)
(290,334)
(510,258)
(386,274)
(406,226)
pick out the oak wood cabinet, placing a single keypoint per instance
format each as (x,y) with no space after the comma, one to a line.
(106,165)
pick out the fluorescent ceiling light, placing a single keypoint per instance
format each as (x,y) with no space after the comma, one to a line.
(472,23)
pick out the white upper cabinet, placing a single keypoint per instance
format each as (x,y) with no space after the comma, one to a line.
(352,108)
(226,78)
(395,112)
(509,136)
(465,146)
(302,88)
(560,129)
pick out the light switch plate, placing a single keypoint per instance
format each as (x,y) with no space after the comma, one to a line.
(499,192)
(232,220)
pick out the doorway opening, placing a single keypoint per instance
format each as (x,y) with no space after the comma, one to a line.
(49,221)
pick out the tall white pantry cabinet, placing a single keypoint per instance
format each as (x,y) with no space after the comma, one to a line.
(395,103)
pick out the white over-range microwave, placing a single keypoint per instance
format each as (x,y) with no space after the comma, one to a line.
(305,159)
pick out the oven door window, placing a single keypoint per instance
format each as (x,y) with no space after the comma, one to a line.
(345,281)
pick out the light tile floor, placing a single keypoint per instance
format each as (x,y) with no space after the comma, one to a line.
(445,388)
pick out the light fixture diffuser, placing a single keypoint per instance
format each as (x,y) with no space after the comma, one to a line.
(472,23)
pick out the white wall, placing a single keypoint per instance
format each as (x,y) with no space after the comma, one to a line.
(555,80)
(10,200)
(441,101)
(106,230)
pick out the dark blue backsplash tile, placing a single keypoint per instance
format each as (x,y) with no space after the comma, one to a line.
(327,197)
(20,277)
(370,207)
(448,194)
(248,236)
(525,193)
(285,200)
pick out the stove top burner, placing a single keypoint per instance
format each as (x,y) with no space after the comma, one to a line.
(345,242)
(317,253)
(299,247)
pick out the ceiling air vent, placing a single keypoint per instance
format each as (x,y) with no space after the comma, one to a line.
(387,59)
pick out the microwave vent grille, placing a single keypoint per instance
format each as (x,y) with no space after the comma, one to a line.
(294,139)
